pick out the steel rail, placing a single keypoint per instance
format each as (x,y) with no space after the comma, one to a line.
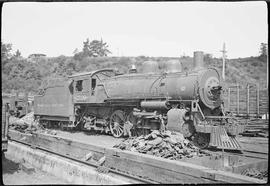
(93,164)
(242,153)
(247,152)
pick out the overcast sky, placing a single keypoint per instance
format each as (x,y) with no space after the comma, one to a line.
(133,29)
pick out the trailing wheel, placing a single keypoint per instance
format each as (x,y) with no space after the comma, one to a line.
(201,140)
(117,121)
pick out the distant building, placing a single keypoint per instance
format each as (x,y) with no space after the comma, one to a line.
(36,55)
(32,57)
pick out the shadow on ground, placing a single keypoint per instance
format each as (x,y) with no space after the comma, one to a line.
(8,166)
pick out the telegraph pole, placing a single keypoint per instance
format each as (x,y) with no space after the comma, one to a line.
(267,61)
(223,60)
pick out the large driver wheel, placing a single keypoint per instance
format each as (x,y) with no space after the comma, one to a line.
(201,140)
(117,121)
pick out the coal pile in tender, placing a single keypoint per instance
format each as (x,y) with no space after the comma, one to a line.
(27,124)
(167,145)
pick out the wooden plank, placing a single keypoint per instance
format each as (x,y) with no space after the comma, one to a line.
(185,168)
(59,145)
(262,165)
(234,178)
(156,173)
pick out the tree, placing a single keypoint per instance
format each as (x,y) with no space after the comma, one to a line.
(263,52)
(99,48)
(207,58)
(95,48)
(86,48)
(18,54)
(75,51)
(5,53)
(263,49)
(70,66)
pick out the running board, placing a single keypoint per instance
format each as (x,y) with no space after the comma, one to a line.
(220,139)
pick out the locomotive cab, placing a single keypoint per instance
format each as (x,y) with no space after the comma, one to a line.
(88,87)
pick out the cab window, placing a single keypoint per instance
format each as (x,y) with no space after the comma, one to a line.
(93,82)
(82,85)
(78,86)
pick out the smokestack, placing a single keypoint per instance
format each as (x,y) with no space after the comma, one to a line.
(198,60)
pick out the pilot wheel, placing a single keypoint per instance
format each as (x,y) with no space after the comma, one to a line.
(201,140)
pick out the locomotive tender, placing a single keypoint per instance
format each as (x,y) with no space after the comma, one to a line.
(103,100)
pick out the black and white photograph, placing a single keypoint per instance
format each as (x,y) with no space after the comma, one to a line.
(125,92)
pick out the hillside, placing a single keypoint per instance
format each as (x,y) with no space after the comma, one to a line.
(21,74)
(250,70)
(241,70)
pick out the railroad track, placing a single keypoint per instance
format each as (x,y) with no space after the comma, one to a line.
(255,154)
(93,164)
(243,153)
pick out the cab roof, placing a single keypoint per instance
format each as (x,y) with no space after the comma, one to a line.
(91,73)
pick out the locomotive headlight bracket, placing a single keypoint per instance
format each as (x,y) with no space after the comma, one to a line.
(209,85)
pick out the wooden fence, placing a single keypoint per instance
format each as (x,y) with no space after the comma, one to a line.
(246,100)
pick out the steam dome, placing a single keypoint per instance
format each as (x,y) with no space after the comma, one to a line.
(173,65)
(150,67)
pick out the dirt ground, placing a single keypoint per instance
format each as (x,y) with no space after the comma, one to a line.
(257,144)
(102,140)
(22,173)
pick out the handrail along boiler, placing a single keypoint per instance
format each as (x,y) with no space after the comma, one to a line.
(103,100)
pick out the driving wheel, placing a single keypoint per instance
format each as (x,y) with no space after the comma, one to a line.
(117,121)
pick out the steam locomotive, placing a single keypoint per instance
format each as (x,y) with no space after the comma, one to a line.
(106,101)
